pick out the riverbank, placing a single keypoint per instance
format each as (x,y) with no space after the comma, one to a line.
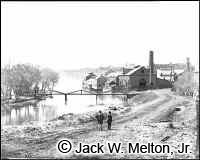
(7,105)
(78,119)
(20,102)
(147,117)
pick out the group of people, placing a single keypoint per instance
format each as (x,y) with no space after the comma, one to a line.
(100,118)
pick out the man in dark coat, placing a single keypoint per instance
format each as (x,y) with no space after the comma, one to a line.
(100,118)
(109,120)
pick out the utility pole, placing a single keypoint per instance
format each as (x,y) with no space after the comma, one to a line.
(96,98)
(171,73)
(188,64)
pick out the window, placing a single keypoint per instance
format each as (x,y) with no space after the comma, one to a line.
(142,71)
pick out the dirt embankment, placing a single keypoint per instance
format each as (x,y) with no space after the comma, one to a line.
(150,117)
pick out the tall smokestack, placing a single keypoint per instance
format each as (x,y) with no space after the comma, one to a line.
(151,66)
(188,64)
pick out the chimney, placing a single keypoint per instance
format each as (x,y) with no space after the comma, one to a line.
(151,66)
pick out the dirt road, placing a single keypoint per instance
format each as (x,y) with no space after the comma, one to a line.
(150,117)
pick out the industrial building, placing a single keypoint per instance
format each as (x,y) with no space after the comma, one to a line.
(139,77)
(136,77)
(94,82)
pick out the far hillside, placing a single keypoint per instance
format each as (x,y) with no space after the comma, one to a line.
(80,73)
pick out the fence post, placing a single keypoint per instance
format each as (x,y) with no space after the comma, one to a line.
(65,97)
(35,94)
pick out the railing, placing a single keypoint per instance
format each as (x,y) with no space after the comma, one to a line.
(77,92)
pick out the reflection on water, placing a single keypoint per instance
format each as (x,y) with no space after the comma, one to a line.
(51,108)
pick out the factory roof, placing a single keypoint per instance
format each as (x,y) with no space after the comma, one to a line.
(114,74)
(136,68)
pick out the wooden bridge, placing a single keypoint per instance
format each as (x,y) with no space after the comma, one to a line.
(78,92)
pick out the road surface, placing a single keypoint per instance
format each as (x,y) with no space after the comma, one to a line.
(150,117)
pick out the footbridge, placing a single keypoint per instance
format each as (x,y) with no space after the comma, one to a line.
(79,92)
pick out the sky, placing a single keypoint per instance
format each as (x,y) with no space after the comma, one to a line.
(72,35)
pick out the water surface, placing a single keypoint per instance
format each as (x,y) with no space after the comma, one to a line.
(53,107)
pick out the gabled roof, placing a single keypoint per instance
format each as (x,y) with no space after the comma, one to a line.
(100,76)
(114,74)
(91,73)
(134,70)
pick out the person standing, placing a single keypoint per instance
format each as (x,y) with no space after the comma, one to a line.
(100,118)
(109,120)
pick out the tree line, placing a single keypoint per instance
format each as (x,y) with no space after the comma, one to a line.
(185,84)
(25,78)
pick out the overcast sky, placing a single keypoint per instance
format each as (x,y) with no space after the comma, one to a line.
(71,35)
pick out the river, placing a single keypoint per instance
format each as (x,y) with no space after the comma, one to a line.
(51,108)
